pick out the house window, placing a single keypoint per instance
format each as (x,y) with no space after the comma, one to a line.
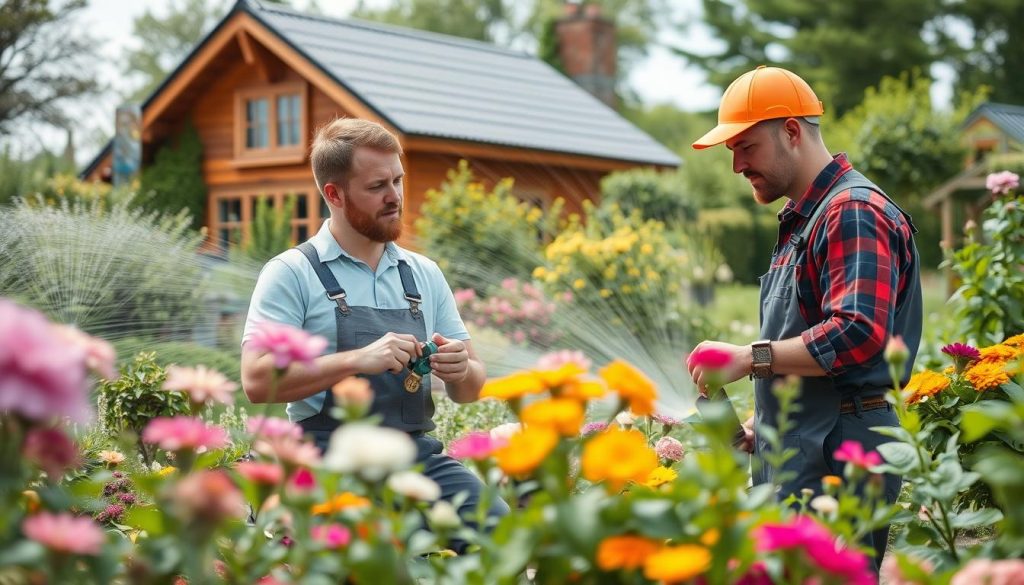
(270,124)
(234,212)
(229,221)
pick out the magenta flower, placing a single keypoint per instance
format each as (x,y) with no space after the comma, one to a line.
(261,473)
(302,481)
(853,453)
(669,448)
(963,355)
(593,427)
(111,513)
(100,356)
(477,445)
(333,536)
(64,533)
(42,377)
(286,343)
(710,358)
(183,432)
(1002,182)
(202,384)
(818,544)
(51,450)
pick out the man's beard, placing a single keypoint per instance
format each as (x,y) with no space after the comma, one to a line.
(370,226)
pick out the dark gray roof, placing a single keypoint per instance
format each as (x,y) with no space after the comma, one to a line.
(1009,118)
(428,84)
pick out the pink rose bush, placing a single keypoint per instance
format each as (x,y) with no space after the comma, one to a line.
(519,310)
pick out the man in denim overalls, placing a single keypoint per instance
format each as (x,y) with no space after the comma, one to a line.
(844,280)
(375,301)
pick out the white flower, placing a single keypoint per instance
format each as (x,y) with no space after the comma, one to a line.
(443,515)
(625,418)
(825,504)
(504,431)
(371,451)
(415,485)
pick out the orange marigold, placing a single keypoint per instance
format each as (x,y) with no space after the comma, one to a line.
(1015,341)
(526,450)
(564,374)
(511,387)
(583,390)
(632,385)
(677,563)
(987,375)
(624,552)
(564,415)
(342,501)
(1000,353)
(926,383)
(616,457)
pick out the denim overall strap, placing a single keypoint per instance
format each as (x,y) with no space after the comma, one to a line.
(330,284)
(409,288)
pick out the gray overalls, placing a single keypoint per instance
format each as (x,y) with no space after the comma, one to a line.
(818,428)
(357,327)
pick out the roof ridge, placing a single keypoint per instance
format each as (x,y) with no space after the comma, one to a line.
(999,106)
(258,6)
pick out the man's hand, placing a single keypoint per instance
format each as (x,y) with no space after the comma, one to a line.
(748,438)
(739,365)
(391,353)
(451,361)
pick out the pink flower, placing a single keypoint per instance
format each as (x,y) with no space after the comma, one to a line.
(333,536)
(710,358)
(817,543)
(665,420)
(51,450)
(770,537)
(476,445)
(1006,572)
(289,451)
(557,359)
(286,343)
(201,384)
(464,295)
(302,481)
(100,356)
(65,533)
(892,575)
(183,432)
(273,427)
(353,391)
(208,496)
(42,376)
(1002,182)
(261,473)
(896,351)
(669,448)
(853,452)
(593,427)
(757,574)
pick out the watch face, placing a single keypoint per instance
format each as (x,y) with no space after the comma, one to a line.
(762,355)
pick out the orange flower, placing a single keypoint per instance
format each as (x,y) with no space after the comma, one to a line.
(564,374)
(1000,353)
(563,415)
(583,390)
(624,552)
(987,375)
(660,476)
(1015,341)
(924,384)
(677,563)
(342,501)
(710,538)
(616,457)
(832,481)
(512,387)
(526,450)
(632,385)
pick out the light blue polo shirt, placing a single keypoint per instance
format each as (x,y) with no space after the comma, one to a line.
(288,291)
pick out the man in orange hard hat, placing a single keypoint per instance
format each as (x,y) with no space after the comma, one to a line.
(844,281)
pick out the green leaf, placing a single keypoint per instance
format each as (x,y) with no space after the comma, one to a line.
(977,422)
(900,456)
(22,552)
(976,518)
(147,518)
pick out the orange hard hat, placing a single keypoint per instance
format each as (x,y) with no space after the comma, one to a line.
(762,94)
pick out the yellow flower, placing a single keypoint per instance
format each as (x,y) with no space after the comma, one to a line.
(342,501)
(616,457)
(710,538)
(539,272)
(578,283)
(526,450)
(1001,354)
(111,457)
(582,390)
(165,471)
(632,385)
(659,476)
(32,501)
(646,249)
(563,415)
(677,563)
(511,387)
(987,375)
(923,384)
(624,552)
(564,375)
(1015,341)
(605,293)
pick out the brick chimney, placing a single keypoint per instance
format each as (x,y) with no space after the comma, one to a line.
(587,49)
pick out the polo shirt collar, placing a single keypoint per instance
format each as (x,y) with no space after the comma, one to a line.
(328,249)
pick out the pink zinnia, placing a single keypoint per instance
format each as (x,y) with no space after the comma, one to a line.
(963,355)
(1002,182)
(1005,572)
(273,427)
(289,451)
(208,496)
(201,384)
(100,356)
(710,358)
(819,544)
(669,448)
(557,359)
(302,481)
(183,432)
(332,535)
(65,533)
(261,473)
(51,450)
(853,452)
(477,445)
(286,343)
(42,377)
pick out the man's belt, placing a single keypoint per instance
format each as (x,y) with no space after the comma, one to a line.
(866,403)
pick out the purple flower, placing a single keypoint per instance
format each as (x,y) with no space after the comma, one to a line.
(593,427)
(111,513)
(669,448)
(1002,182)
(963,355)
(286,343)
(128,498)
(665,419)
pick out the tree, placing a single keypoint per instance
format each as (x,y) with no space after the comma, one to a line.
(42,65)
(471,19)
(840,48)
(994,56)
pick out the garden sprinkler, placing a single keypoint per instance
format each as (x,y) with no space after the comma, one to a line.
(420,367)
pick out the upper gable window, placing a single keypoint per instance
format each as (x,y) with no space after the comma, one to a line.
(270,124)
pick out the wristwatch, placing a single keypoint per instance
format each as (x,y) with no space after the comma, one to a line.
(762,362)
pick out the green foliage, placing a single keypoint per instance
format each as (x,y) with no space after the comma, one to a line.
(475,19)
(137,397)
(656,195)
(990,300)
(182,353)
(455,420)
(480,237)
(271,230)
(993,53)
(175,179)
(744,238)
(20,177)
